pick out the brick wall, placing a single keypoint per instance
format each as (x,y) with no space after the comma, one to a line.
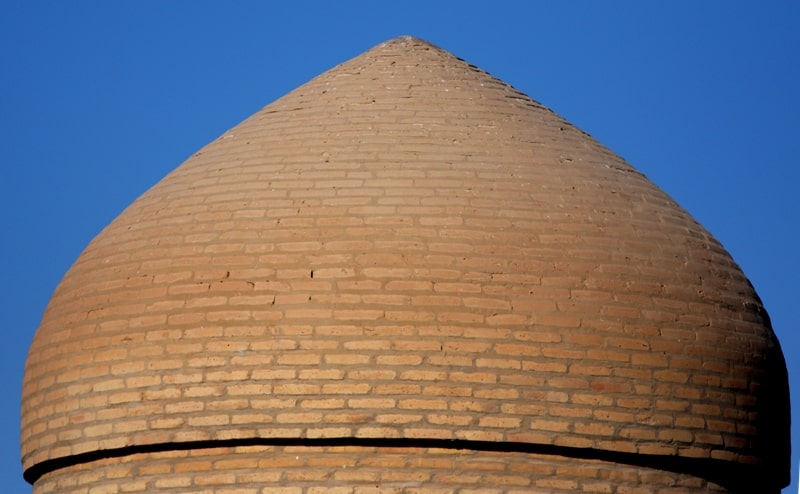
(350,470)
(406,247)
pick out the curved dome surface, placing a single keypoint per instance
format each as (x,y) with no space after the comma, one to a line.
(407,248)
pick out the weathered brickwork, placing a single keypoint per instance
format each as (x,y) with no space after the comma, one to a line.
(348,470)
(406,247)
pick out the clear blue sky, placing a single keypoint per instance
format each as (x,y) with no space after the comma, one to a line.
(99,100)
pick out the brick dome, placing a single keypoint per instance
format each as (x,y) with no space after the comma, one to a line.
(405,274)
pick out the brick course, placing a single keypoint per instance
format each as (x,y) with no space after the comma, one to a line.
(406,247)
(362,470)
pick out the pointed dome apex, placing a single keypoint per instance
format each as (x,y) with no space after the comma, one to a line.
(409,41)
(411,44)
(407,252)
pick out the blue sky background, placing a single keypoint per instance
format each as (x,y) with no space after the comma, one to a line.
(99,100)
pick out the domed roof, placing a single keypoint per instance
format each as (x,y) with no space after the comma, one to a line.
(406,247)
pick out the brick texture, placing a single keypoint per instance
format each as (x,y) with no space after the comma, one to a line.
(349,470)
(406,247)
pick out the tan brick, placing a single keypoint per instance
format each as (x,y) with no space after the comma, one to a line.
(406,247)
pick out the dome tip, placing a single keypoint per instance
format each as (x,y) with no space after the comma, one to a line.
(407,39)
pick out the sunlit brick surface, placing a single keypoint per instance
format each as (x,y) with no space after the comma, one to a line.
(406,247)
(298,470)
